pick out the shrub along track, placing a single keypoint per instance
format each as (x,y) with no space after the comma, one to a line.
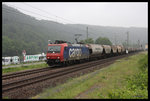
(29,85)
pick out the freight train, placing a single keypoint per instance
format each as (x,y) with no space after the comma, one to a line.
(64,53)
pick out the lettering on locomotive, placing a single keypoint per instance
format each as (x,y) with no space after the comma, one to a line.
(75,52)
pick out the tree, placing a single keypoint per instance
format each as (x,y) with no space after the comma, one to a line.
(103,40)
(89,40)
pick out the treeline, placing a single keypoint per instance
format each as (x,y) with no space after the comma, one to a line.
(99,40)
(22,32)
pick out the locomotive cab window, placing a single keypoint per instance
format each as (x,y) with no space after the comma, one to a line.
(54,49)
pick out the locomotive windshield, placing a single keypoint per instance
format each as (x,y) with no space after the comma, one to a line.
(54,49)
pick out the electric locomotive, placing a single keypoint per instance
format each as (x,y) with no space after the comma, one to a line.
(64,53)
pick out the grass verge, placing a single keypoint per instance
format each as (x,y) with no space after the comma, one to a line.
(100,84)
(14,69)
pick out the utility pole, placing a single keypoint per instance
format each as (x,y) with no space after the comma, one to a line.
(87,32)
(115,38)
(138,43)
(127,39)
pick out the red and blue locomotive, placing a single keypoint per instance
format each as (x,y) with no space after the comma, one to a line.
(63,53)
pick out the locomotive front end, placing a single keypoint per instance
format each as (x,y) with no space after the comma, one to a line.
(54,54)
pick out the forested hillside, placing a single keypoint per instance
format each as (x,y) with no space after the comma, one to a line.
(23,32)
(20,31)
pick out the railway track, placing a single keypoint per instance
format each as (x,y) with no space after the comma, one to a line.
(32,80)
(22,73)
(26,72)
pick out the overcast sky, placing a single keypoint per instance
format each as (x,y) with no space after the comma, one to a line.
(121,14)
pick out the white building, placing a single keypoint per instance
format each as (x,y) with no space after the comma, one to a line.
(37,57)
(10,60)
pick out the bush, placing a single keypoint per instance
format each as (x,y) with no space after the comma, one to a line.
(137,85)
(143,63)
(126,93)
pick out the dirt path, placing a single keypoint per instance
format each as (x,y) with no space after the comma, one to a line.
(84,94)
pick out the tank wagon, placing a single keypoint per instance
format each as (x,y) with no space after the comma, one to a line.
(118,49)
(122,49)
(95,50)
(106,51)
(130,49)
(114,50)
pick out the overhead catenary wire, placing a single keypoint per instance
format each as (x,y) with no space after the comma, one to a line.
(10,11)
(30,12)
(83,30)
(13,11)
(40,14)
(48,13)
(54,15)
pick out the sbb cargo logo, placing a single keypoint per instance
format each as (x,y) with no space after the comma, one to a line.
(75,52)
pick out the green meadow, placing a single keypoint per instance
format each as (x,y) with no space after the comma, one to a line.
(23,67)
(127,78)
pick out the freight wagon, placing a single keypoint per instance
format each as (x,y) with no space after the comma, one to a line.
(95,50)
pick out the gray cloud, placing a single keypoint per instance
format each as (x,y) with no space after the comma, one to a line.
(132,14)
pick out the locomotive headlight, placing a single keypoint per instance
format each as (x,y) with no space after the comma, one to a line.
(48,57)
(58,57)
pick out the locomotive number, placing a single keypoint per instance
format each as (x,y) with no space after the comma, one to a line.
(75,52)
